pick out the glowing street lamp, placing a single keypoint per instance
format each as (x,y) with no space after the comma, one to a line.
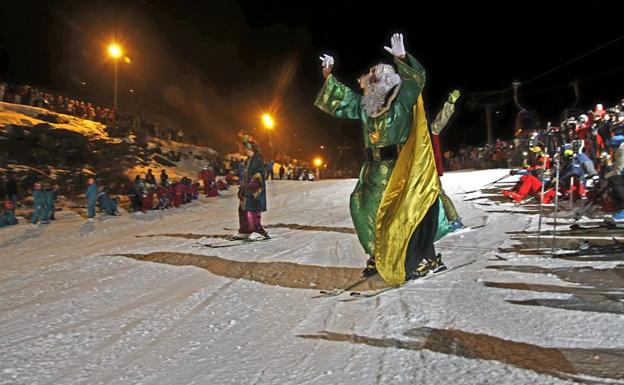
(269,124)
(318,162)
(115,52)
(268,121)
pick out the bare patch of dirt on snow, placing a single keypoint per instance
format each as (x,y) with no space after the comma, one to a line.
(285,274)
(565,363)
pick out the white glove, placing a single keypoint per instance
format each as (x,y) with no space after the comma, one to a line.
(326,61)
(398,49)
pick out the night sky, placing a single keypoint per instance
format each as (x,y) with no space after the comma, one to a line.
(215,66)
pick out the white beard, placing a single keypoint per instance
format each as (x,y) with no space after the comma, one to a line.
(375,94)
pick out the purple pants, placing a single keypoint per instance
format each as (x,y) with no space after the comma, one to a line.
(249,222)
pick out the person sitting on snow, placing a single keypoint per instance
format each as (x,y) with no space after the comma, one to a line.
(208,176)
(529,183)
(571,177)
(7,215)
(231,179)
(164,199)
(221,184)
(107,204)
(164,178)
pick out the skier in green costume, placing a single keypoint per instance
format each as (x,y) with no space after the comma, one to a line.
(392,118)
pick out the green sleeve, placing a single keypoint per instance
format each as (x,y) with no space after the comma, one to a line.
(442,118)
(338,100)
(413,78)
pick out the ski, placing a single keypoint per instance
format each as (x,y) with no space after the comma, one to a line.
(357,295)
(596,226)
(463,230)
(513,211)
(232,243)
(585,250)
(607,222)
(575,230)
(338,291)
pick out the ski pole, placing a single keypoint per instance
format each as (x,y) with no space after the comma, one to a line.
(556,199)
(487,185)
(497,180)
(541,209)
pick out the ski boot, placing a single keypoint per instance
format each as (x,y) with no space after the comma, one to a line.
(456,225)
(240,237)
(517,198)
(258,237)
(619,216)
(370,268)
(427,266)
(437,264)
(423,268)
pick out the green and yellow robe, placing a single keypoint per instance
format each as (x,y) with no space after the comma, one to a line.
(392,197)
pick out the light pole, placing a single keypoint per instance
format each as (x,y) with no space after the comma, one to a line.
(269,124)
(115,51)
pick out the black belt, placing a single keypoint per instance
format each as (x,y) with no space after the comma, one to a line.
(383,153)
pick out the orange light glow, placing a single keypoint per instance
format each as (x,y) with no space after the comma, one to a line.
(268,121)
(114,51)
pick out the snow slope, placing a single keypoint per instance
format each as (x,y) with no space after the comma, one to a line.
(78,307)
(22,115)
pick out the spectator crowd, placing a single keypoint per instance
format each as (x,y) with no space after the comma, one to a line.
(582,156)
(118,124)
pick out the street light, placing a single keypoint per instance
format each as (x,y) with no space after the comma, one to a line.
(318,162)
(268,121)
(115,51)
(269,124)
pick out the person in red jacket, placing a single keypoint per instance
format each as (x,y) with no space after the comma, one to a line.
(178,191)
(208,177)
(529,183)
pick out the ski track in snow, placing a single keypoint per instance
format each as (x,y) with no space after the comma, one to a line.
(74,311)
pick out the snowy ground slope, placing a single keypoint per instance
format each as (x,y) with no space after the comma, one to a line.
(28,116)
(75,310)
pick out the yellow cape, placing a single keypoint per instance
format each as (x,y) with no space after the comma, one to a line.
(413,187)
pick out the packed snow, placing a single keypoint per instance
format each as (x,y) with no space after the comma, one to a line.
(23,115)
(78,307)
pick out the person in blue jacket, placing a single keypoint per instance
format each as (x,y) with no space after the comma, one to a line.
(49,196)
(107,204)
(92,195)
(38,204)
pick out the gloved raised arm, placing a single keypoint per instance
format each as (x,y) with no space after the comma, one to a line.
(336,98)
(412,73)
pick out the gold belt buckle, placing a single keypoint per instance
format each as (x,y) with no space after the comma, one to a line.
(376,154)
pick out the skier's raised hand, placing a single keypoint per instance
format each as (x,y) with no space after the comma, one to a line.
(397,49)
(453,96)
(327,62)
